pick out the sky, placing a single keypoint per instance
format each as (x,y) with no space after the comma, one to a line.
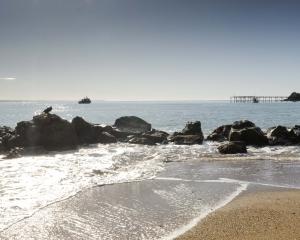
(148,49)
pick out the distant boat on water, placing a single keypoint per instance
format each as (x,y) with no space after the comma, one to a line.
(85,100)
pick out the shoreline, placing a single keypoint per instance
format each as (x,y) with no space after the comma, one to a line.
(164,207)
(258,214)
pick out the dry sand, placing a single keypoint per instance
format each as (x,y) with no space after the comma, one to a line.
(268,215)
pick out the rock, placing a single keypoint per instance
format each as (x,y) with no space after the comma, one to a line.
(87,133)
(14,153)
(232,148)
(249,135)
(106,137)
(5,130)
(156,136)
(279,135)
(295,134)
(132,124)
(5,134)
(192,128)
(141,140)
(220,134)
(48,131)
(187,139)
(294,97)
(191,134)
(152,137)
(2,148)
(242,124)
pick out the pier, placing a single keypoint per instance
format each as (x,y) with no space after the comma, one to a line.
(256,99)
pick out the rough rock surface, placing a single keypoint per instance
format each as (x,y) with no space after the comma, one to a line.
(132,124)
(279,135)
(232,148)
(192,128)
(251,136)
(46,130)
(187,139)
(220,134)
(294,97)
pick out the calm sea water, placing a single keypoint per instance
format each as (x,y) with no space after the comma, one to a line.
(28,184)
(169,116)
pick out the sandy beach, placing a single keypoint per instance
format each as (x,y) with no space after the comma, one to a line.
(259,215)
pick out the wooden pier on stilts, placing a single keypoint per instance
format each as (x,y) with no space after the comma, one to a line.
(256,99)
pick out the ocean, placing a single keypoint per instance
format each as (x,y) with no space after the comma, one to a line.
(31,185)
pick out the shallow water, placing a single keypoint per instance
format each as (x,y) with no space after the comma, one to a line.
(30,183)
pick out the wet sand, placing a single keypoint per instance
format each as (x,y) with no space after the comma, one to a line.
(169,204)
(259,215)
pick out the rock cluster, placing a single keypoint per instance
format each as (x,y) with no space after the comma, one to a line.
(248,133)
(47,132)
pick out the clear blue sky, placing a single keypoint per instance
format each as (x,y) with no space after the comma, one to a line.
(148,50)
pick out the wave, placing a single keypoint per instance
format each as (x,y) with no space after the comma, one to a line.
(30,183)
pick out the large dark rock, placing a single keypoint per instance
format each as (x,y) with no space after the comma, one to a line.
(279,135)
(191,134)
(132,124)
(192,128)
(46,130)
(220,134)
(87,133)
(294,97)
(187,139)
(242,124)
(232,148)
(295,134)
(91,133)
(249,135)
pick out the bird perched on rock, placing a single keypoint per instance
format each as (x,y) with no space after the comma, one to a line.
(47,110)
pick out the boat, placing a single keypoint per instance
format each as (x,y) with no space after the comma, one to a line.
(255,100)
(85,100)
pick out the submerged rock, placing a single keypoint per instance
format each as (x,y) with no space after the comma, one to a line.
(220,134)
(141,140)
(294,97)
(232,148)
(132,124)
(187,139)
(156,136)
(152,137)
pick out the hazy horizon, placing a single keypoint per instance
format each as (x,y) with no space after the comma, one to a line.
(148,50)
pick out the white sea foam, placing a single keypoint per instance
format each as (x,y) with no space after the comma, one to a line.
(30,183)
